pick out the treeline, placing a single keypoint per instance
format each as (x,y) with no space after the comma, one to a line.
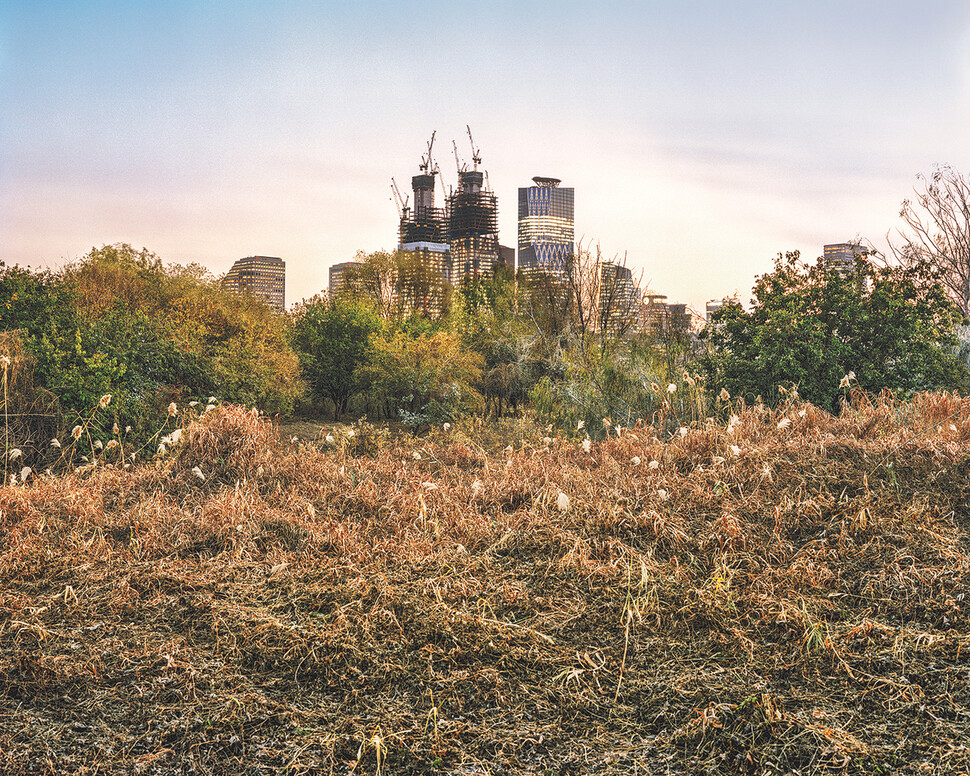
(120,323)
(404,345)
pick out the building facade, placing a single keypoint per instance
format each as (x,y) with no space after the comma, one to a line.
(343,278)
(841,256)
(547,231)
(617,299)
(262,276)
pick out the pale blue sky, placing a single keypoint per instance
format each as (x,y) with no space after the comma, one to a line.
(701,137)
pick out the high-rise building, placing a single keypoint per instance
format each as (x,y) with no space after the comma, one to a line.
(342,278)
(424,266)
(617,298)
(841,256)
(660,319)
(547,230)
(473,226)
(262,276)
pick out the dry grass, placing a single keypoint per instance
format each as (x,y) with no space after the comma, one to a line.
(773,598)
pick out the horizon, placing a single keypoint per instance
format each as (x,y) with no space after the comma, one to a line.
(701,140)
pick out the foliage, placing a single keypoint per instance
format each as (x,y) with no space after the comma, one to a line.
(118,322)
(206,339)
(809,325)
(424,378)
(629,384)
(332,338)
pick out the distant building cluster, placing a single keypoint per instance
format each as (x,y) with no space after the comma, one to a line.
(445,245)
(460,241)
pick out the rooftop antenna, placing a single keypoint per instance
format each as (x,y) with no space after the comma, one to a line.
(476,157)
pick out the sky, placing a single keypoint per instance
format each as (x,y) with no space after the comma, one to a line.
(702,137)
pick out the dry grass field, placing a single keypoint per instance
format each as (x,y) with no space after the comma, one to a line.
(782,592)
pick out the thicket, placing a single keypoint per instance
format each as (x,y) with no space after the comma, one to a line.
(118,323)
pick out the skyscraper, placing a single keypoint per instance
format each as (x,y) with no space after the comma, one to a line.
(841,256)
(262,276)
(473,226)
(546,226)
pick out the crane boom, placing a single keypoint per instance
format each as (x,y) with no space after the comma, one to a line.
(476,157)
(401,202)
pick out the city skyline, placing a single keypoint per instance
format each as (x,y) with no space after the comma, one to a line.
(701,138)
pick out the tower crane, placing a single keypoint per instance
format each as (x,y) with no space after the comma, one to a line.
(426,165)
(476,157)
(461,165)
(401,202)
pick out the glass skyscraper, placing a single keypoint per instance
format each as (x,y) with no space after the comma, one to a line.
(546,226)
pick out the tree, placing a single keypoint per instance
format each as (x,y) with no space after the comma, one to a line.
(425,378)
(811,326)
(333,339)
(938,231)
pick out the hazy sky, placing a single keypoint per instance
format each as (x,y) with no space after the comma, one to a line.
(702,138)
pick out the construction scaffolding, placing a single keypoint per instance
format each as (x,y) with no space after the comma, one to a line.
(473,227)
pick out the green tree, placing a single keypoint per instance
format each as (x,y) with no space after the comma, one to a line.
(332,338)
(425,378)
(810,325)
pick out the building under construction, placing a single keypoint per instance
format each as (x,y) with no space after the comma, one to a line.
(472,216)
(424,268)
(424,223)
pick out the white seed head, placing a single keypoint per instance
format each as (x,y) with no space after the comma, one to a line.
(653,465)
(671,388)
(15,454)
(635,460)
(55,443)
(198,473)
(173,409)
(25,473)
(784,423)
(587,445)
(562,502)
(724,395)
(105,401)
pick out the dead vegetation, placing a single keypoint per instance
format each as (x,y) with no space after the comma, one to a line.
(780,594)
